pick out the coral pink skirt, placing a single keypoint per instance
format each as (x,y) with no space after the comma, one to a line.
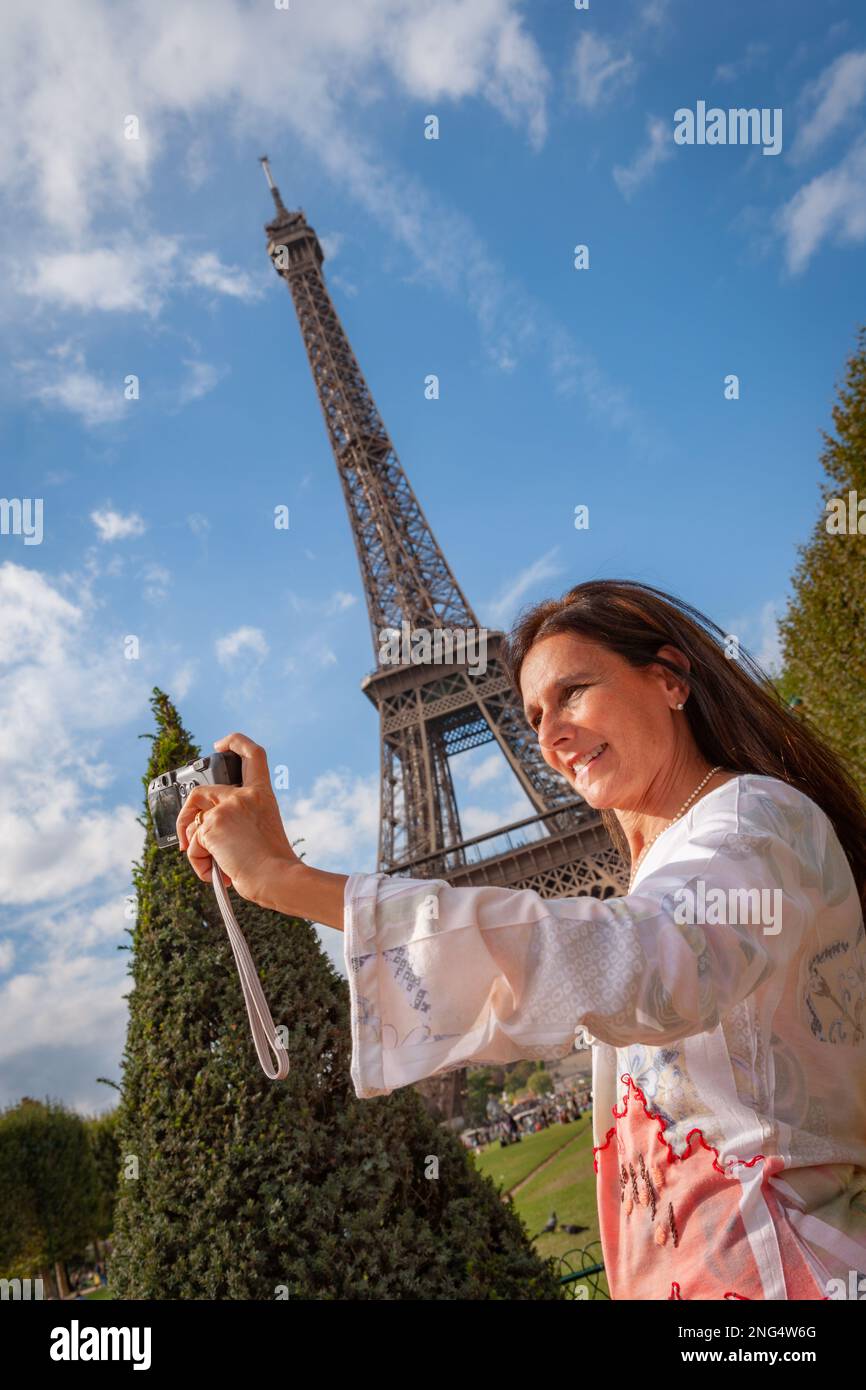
(686,1227)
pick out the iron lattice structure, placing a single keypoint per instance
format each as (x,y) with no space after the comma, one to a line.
(430,711)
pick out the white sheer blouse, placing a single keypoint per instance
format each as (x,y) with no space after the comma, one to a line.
(729,984)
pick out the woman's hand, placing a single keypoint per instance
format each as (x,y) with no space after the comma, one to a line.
(241,828)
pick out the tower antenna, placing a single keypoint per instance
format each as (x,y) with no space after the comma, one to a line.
(275,192)
(263,160)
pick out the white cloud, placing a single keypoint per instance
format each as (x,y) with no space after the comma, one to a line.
(78,997)
(830,101)
(337,824)
(68,930)
(83,70)
(481,771)
(67,845)
(202,377)
(62,692)
(833,204)
(113,526)
(66,382)
(480,820)
(245,642)
(454,50)
(599,71)
(196,166)
(340,601)
(335,603)
(132,276)
(341,283)
(753,57)
(331,243)
(156,581)
(181,682)
(84,394)
(653,13)
(658,148)
(502,608)
(339,820)
(209,272)
(311,68)
(759,634)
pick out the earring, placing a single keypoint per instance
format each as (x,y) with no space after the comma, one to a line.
(680,705)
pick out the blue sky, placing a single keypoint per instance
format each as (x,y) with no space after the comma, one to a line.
(558,387)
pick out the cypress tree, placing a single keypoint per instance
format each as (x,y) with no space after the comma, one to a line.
(824,629)
(233,1186)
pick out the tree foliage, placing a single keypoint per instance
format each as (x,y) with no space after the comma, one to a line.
(824,629)
(49,1187)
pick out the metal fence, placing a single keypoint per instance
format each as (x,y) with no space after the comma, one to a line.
(582,1266)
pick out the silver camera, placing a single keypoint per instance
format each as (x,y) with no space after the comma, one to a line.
(167,793)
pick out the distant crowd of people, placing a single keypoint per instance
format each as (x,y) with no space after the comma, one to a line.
(530,1117)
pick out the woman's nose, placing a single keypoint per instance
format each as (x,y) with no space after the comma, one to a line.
(553,729)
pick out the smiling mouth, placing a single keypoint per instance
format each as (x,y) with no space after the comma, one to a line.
(580,767)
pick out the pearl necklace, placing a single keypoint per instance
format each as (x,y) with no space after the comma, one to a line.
(683,808)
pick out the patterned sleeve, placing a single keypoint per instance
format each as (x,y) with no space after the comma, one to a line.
(441,977)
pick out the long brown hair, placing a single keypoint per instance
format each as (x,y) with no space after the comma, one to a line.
(736,715)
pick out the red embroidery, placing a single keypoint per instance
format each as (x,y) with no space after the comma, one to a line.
(673,1225)
(686,1211)
(649,1185)
(663,1124)
(675,1294)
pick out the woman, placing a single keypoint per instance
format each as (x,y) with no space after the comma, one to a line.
(723,994)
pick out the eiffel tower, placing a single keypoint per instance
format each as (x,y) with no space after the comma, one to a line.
(430,710)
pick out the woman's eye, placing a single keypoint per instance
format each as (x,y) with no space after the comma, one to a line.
(568,692)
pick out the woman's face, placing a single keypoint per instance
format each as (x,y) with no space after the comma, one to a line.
(587,703)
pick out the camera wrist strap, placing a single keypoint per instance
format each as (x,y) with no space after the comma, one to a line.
(261,1024)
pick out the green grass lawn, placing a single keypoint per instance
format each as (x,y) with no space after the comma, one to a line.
(566,1185)
(509,1166)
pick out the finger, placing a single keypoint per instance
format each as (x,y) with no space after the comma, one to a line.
(199,799)
(203,869)
(200,860)
(255,759)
